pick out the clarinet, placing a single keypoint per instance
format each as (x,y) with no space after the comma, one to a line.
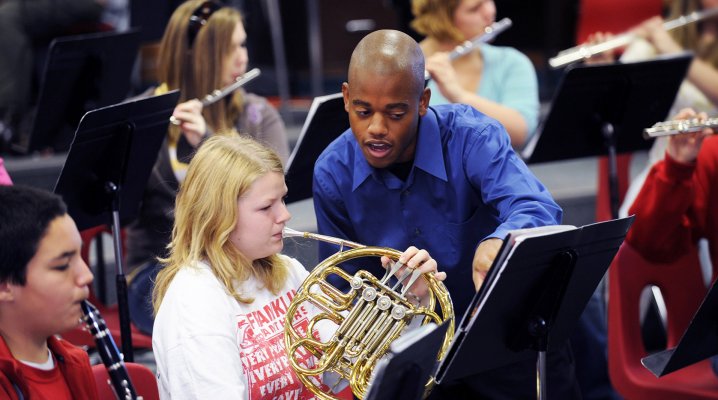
(110,355)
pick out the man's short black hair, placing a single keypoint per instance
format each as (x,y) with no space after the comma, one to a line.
(25,214)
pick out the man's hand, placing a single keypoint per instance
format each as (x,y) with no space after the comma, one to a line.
(483,258)
(413,258)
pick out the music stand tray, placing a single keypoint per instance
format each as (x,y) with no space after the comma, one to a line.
(403,376)
(629,97)
(325,121)
(533,295)
(117,144)
(699,341)
(82,73)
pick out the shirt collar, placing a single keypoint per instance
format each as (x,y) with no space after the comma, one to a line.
(362,169)
(428,157)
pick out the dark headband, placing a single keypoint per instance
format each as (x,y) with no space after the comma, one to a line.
(199,19)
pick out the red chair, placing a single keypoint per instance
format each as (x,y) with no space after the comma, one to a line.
(143,380)
(615,16)
(110,314)
(682,287)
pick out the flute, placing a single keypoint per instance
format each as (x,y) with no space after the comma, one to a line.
(679,126)
(585,51)
(218,94)
(490,33)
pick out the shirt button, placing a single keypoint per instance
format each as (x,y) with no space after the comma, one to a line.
(417,231)
(405,193)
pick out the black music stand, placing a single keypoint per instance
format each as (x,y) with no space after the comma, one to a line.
(699,341)
(603,109)
(107,169)
(533,295)
(405,375)
(82,73)
(325,121)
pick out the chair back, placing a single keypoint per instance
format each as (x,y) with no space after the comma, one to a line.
(143,380)
(614,16)
(682,287)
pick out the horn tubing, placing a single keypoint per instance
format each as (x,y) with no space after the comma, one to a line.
(288,232)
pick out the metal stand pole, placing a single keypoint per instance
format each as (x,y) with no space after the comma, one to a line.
(121,281)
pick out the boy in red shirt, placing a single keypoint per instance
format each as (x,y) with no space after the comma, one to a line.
(43,280)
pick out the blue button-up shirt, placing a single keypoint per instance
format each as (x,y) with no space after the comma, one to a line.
(466,185)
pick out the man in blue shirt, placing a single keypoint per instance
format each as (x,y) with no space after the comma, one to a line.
(443,178)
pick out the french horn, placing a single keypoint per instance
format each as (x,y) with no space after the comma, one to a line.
(371,315)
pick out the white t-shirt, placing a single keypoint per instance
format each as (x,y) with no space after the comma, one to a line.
(209,346)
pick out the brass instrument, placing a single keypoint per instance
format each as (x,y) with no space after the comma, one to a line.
(679,126)
(490,33)
(585,51)
(218,94)
(368,317)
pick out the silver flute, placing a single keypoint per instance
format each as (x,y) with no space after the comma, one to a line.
(679,126)
(490,33)
(218,94)
(585,51)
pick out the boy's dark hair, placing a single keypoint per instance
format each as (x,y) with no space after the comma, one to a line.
(25,214)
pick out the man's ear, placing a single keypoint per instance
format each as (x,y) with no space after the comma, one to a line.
(345,94)
(6,292)
(424,101)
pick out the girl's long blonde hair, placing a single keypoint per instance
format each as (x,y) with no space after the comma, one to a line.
(197,70)
(222,170)
(688,36)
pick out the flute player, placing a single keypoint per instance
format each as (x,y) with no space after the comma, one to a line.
(496,80)
(203,49)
